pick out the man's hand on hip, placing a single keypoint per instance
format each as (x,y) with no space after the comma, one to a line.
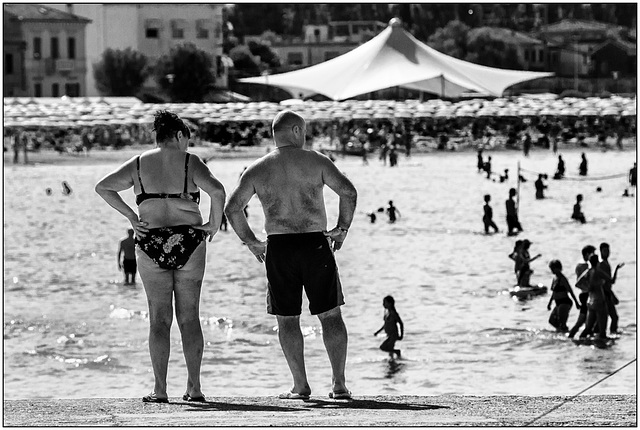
(337,236)
(259,249)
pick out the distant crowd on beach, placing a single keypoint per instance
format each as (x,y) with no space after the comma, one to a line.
(77,140)
(356,136)
(350,136)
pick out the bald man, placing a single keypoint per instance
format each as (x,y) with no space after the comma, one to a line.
(299,250)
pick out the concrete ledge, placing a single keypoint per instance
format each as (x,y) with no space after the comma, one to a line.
(606,410)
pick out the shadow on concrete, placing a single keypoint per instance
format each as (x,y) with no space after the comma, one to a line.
(370,404)
(222,406)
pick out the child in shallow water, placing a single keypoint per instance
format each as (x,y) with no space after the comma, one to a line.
(561,290)
(391,322)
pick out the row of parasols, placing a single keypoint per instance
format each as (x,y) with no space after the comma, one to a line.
(72,112)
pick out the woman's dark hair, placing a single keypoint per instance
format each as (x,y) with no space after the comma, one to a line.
(166,124)
(390,300)
(594,260)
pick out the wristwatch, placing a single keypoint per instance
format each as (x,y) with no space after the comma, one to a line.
(344,230)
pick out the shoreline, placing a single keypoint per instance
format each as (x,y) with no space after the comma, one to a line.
(372,411)
(108,156)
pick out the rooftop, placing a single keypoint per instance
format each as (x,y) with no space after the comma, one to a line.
(510,36)
(576,25)
(628,47)
(40,13)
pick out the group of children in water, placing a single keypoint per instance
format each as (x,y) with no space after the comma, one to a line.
(596,300)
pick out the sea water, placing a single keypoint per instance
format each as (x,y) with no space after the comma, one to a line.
(73,329)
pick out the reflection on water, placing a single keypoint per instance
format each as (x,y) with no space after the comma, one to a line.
(68,316)
(393,367)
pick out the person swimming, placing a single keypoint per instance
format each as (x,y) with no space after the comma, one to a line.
(577,210)
(392,211)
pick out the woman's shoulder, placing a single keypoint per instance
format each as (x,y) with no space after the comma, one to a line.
(151,153)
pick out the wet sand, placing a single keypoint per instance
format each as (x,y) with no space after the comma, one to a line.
(365,411)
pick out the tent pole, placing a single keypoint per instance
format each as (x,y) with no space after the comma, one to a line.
(442,86)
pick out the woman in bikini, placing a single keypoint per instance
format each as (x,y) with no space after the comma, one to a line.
(170,241)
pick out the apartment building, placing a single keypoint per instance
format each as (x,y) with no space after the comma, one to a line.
(323,42)
(571,44)
(44,52)
(152,29)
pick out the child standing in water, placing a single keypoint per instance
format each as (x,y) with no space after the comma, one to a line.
(561,290)
(391,322)
(487,219)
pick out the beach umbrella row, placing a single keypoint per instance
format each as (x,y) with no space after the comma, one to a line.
(69,112)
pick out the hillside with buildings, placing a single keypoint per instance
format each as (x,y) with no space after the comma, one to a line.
(51,49)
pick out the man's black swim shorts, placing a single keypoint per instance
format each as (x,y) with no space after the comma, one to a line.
(294,261)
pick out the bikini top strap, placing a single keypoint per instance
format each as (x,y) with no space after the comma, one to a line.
(186,172)
(139,178)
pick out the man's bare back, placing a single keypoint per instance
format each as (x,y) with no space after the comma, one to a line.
(289,183)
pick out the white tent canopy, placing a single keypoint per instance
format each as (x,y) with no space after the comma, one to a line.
(395,58)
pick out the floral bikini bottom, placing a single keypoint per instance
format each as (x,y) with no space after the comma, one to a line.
(171,247)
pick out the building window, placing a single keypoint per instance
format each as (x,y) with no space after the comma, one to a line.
(526,55)
(8,64)
(151,33)
(540,56)
(72,90)
(294,58)
(55,49)
(55,90)
(71,47)
(37,47)
(37,90)
(202,30)
(219,66)
(177,29)
(152,28)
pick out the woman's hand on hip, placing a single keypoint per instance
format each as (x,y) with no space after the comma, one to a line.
(139,227)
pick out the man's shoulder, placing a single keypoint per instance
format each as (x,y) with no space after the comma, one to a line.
(259,164)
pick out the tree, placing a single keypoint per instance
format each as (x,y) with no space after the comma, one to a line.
(120,72)
(267,55)
(185,73)
(486,46)
(451,40)
(244,62)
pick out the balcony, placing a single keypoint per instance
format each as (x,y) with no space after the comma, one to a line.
(53,66)
(65,65)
